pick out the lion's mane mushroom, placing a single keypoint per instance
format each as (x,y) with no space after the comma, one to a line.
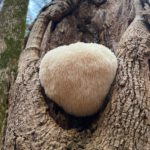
(78,77)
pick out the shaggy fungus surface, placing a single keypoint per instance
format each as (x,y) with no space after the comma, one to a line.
(78,76)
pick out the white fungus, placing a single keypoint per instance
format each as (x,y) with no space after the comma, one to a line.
(78,77)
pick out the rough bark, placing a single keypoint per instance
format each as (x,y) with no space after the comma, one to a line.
(12,28)
(35,122)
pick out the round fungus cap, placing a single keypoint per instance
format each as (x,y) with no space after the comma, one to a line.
(78,76)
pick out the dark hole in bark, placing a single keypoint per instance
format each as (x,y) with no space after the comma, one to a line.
(97,2)
(143,2)
(15,143)
(56,22)
(149,67)
(130,21)
(146,22)
(149,64)
(53,26)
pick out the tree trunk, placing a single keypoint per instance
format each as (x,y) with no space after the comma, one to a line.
(12,28)
(35,122)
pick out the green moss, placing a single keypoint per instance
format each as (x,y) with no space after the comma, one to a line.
(10,56)
(3,102)
(12,28)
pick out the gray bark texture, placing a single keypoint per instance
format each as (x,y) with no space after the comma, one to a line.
(35,123)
